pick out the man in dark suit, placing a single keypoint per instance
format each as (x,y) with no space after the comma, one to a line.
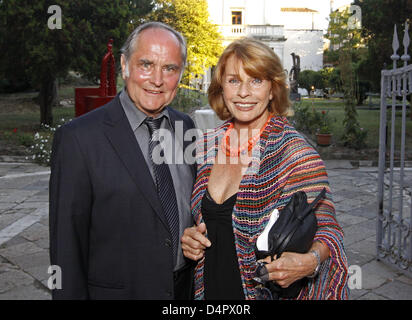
(116,214)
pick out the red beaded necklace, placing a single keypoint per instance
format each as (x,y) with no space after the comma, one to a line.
(235,152)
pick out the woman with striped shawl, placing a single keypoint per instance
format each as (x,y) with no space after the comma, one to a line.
(248,167)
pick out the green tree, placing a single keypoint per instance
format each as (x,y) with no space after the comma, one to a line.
(13,60)
(331,78)
(35,52)
(340,33)
(309,78)
(378,20)
(191,18)
(98,21)
(343,38)
(348,42)
(39,54)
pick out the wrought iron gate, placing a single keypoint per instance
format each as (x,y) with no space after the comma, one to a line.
(394,223)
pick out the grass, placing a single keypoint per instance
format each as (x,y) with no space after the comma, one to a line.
(29,121)
(20,116)
(20,120)
(17,130)
(369,119)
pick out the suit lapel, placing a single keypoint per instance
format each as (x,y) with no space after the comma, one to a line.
(118,131)
(186,126)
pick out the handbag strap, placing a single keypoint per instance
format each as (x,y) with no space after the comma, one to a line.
(288,234)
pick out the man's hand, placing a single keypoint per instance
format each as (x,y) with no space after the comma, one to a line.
(194,242)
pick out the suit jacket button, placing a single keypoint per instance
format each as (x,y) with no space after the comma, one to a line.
(168,243)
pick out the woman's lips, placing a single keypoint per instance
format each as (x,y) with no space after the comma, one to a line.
(244,106)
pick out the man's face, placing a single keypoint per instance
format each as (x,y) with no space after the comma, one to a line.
(154,70)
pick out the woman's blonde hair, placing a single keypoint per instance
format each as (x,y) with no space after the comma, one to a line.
(258,61)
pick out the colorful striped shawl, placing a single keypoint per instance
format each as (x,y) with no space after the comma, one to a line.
(282,164)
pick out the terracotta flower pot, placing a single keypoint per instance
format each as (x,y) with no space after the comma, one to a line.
(323,139)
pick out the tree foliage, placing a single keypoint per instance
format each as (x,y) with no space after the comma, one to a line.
(33,53)
(358,64)
(340,34)
(378,20)
(98,21)
(309,78)
(354,43)
(191,18)
(347,42)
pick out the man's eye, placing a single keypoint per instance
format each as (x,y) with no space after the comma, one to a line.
(145,65)
(170,68)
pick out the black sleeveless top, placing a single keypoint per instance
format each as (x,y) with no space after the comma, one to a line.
(221,271)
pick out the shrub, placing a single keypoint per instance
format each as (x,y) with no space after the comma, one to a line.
(308,119)
(42,143)
(18,137)
(324,127)
(355,137)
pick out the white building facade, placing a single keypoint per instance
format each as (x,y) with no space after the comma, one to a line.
(284,28)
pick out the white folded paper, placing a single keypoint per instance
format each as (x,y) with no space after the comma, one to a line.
(262,241)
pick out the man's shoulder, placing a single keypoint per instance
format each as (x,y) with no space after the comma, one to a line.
(178,115)
(93,118)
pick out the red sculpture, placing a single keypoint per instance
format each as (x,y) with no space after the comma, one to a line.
(87,99)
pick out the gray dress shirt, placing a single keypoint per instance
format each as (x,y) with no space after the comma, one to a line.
(181,173)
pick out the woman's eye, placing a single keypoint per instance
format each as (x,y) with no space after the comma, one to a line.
(257,81)
(233,81)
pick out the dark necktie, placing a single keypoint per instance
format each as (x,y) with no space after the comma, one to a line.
(164,185)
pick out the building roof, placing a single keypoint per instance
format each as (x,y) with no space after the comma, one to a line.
(298,10)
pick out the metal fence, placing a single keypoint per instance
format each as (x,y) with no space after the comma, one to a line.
(394,226)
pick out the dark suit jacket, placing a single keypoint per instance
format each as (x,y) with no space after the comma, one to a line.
(108,232)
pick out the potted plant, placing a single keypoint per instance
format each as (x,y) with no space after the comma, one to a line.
(324,134)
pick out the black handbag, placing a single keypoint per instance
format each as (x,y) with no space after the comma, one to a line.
(293,231)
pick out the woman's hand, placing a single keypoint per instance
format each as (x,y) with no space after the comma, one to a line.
(194,242)
(290,267)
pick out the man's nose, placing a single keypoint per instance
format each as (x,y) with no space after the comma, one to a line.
(157,77)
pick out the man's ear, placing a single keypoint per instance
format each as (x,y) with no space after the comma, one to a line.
(125,67)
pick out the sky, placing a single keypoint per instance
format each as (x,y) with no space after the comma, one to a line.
(323,6)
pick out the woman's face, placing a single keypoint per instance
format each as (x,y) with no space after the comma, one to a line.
(246,97)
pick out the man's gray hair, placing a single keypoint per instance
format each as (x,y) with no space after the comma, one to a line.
(130,45)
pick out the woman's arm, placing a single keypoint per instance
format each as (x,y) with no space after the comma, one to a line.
(308,174)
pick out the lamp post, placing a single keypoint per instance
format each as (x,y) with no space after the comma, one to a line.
(313,97)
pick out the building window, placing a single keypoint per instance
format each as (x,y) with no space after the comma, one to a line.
(236,17)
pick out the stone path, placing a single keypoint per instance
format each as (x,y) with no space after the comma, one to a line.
(355,198)
(24,257)
(24,242)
